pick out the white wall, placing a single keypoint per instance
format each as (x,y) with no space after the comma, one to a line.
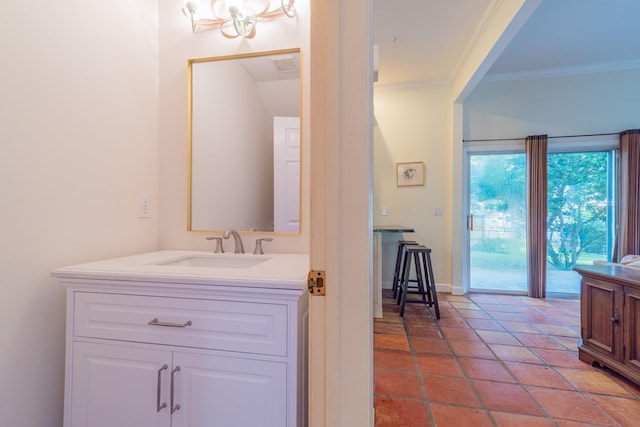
(79,133)
(414,124)
(228,161)
(177,45)
(568,105)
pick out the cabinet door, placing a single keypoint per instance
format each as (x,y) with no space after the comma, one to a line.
(229,392)
(632,328)
(601,312)
(118,386)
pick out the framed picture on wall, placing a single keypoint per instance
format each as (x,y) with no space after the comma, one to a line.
(409,174)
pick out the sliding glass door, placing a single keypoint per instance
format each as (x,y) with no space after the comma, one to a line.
(497,223)
(580,218)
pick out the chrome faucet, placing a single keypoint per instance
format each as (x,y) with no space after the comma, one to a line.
(239,247)
(219,248)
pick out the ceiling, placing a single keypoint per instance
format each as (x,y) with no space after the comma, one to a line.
(423,41)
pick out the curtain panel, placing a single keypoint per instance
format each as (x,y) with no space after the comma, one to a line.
(629,227)
(536,150)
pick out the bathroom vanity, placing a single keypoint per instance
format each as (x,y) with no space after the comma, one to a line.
(186,338)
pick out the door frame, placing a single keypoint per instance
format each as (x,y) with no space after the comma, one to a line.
(341,323)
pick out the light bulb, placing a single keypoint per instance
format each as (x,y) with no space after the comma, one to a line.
(191,5)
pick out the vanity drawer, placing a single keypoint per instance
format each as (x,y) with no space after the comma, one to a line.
(212,324)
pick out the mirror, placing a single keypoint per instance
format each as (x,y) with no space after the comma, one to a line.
(244,142)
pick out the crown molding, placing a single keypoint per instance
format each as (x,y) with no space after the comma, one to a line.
(434,84)
(561,72)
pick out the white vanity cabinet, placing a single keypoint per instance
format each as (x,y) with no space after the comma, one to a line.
(163,354)
(116,385)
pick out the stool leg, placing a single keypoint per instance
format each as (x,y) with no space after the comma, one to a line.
(401,280)
(420,277)
(406,272)
(404,275)
(427,281)
(396,273)
(432,285)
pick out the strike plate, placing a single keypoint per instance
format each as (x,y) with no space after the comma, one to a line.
(315,282)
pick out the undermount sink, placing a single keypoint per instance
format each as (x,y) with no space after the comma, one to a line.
(242,261)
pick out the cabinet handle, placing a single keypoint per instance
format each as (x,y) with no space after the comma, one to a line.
(615,318)
(158,404)
(156,322)
(175,407)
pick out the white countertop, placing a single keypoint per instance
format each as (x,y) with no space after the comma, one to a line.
(279,270)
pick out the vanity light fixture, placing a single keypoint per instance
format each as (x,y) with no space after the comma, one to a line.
(235,18)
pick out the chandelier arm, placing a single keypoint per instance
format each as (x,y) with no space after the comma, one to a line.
(289,8)
(189,15)
(235,25)
(210,22)
(193,24)
(227,35)
(252,33)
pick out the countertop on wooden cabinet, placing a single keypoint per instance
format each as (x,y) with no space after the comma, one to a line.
(624,275)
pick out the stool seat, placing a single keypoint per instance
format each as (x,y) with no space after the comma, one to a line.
(425,281)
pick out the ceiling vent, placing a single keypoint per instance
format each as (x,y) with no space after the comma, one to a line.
(285,65)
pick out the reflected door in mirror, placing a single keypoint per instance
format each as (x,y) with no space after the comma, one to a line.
(286,173)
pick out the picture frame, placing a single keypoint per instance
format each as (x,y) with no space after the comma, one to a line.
(409,174)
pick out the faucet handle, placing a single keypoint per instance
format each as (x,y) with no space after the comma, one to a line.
(258,250)
(219,248)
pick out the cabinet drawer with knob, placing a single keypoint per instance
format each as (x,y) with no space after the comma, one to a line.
(199,323)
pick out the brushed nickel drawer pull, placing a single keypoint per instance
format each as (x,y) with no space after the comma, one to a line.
(175,407)
(156,322)
(159,405)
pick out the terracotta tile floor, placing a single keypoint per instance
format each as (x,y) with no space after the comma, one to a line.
(492,360)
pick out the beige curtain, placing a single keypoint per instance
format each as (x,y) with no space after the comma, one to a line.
(536,148)
(629,228)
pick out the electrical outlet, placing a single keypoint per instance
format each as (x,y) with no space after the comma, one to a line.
(144,210)
(383,211)
(437,211)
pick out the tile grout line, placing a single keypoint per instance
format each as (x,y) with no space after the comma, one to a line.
(472,384)
(548,366)
(425,397)
(633,394)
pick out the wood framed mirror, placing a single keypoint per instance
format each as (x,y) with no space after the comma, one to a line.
(244,142)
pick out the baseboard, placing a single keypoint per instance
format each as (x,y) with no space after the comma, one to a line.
(449,289)
(440,287)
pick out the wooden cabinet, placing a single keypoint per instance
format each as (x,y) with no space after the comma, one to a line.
(184,355)
(632,330)
(610,318)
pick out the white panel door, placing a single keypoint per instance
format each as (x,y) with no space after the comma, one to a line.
(118,386)
(229,392)
(286,173)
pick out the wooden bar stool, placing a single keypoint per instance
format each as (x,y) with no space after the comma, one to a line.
(425,281)
(399,270)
